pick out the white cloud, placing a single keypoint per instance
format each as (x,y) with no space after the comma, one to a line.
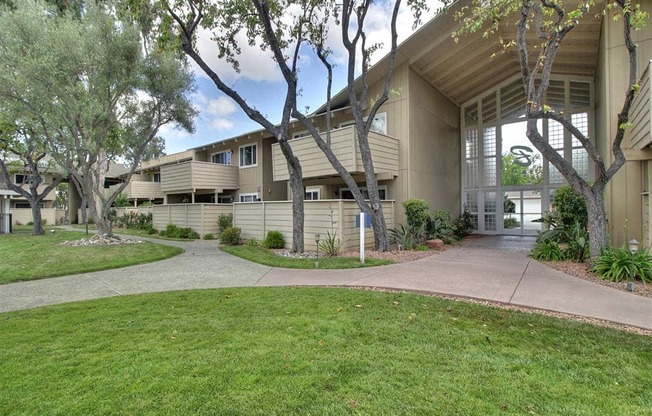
(217,113)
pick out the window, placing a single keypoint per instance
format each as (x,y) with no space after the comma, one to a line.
(225,199)
(311,194)
(249,156)
(20,179)
(156,177)
(222,158)
(379,125)
(248,197)
(345,193)
(302,134)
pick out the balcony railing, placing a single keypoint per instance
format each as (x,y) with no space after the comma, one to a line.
(384,152)
(192,175)
(140,190)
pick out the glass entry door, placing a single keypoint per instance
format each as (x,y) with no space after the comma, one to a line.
(520,210)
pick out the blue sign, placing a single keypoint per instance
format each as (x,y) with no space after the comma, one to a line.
(367,221)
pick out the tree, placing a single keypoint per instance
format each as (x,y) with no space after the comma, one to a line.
(515,173)
(98,94)
(23,151)
(268,26)
(352,16)
(552,21)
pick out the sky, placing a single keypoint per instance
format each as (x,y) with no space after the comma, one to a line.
(260,82)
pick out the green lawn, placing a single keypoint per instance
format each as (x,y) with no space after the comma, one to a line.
(312,351)
(263,256)
(28,257)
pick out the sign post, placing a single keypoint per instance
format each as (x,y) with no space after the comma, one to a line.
(362,227)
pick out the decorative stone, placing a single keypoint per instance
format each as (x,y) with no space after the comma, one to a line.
(100,240)
(436,244)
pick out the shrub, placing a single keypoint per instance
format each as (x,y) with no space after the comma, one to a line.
(252,242)
(619,264)
(463,225)
(438,226)
(548,251)
(331,245)
(416,212)
(274,239)
(208,236)
(407,237)
(224,221)
(569,207)
(511,222)
(172,231)
(150,230)
(230,236)
(121,201)
(30,223)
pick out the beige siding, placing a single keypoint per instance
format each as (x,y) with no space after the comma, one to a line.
(384,150)
(256,219)
(24,215)
(200,217)
(433,170)
(139,189)
(641,113)
(623,193)
(167,159)
(190,176)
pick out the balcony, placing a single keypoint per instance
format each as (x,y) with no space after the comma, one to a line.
(192,175)
(384,151)
(640,135)
(140,190)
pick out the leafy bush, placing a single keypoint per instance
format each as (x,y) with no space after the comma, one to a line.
(230,236)
(331,245)
(511,223)
(463,224)
(224,221)
(121,201)
(548,251)
(416,212)
(208,236)
(252,242)
(569,207)
(407,237)
(619,264)
(578,243)
(150,230)
(135,220)
(439,226)
(274,239)
(172,231)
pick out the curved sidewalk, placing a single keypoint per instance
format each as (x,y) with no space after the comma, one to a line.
(481,270)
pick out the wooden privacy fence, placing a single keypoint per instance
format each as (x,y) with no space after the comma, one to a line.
(257,218)
(200,217)
(52,216)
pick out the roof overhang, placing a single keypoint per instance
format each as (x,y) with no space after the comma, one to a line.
(465,69)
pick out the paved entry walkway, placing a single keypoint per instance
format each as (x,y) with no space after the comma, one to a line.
(490,268)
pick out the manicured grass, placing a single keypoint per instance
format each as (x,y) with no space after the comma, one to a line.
(28,257)
(263,256)
(312,351)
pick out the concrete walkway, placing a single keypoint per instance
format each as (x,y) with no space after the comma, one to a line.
(491,268)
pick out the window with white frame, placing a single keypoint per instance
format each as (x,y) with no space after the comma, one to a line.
(249,156)
(221,158)
(379,124)
(156,177)
(345,193)
(225,199)
(311,194)
(249,197)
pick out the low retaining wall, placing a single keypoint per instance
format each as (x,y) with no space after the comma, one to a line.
(255,219)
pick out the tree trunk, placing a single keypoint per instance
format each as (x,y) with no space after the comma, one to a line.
(296,185)
(381,241)
(597,223)
(36,216)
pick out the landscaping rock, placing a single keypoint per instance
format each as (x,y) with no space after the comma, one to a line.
(100,240)
(436,244)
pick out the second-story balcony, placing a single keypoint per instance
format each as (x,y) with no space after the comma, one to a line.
(344,143)
(192,175)
(140,190)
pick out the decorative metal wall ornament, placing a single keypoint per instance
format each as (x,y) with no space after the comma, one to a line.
(523,155)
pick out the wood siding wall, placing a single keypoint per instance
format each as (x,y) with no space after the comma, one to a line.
(384,150)
(167,159)
(190,176)
(200,217)
(641,113)
(256,219)
(24,215)
(139,190)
